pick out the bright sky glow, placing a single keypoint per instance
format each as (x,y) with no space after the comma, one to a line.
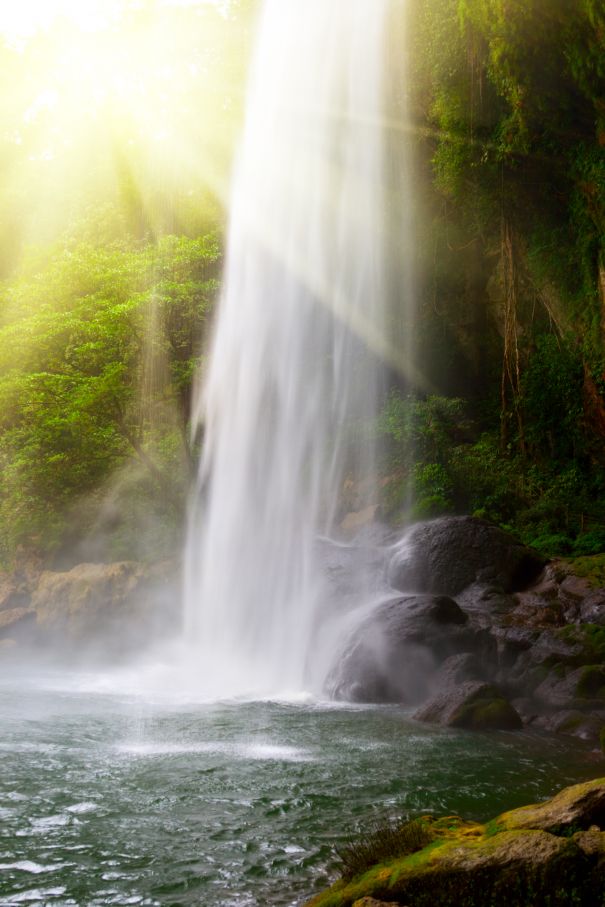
(106,97)
(24,18)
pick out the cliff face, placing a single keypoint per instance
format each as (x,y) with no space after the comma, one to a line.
(109,609)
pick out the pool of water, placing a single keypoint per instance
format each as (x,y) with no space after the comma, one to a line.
(121,799)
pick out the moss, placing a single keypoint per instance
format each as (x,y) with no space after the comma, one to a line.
(591,640)
(508,861)
(493,828)
(570,724)
(591,684)
(490,713)
(591,568)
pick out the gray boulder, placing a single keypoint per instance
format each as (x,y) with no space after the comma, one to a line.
(445,556)
(392,654)
(474,705)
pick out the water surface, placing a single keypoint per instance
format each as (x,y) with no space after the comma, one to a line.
(113,799)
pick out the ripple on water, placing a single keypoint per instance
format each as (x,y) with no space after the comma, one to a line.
(252,751)
(196,806)
(31,867)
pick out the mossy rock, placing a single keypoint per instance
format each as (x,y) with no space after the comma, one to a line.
(474,705)
(588,641)
(591,683)
(486,714)
(577,807)
(590,567)
(551,854)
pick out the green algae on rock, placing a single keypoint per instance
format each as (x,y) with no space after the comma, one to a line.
(551,854)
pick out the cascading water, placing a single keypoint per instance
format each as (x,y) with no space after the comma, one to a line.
(293,380)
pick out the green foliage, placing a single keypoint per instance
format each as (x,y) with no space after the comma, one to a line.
(552,398)
(514,93)
(97,348)
(441,464)
(591,568)
(591,542)
(380,842)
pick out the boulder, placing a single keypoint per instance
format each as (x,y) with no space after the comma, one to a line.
(474,705)
(445,556)
(579,807)
(392,654)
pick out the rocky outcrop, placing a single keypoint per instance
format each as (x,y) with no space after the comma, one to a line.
(550,854)
(92,605)
(491,637)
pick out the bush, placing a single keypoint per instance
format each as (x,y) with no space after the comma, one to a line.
(592,542)
(382,841)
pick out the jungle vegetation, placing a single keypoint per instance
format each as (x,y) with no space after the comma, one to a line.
(111,238)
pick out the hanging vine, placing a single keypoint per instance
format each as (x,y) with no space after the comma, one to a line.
(510,389)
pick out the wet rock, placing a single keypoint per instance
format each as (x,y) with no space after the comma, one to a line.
(585,685)
(551,648)
(532,610)
(447,555)
(592,608)
(458,669)
(392,655)
(572,723)
(511,642)
(486,604)
(474,705)
(548,582)
(575,587)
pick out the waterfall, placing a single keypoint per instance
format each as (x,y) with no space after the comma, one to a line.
(293,380)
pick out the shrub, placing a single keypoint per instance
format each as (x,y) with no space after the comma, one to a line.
(380,842)
(592,542)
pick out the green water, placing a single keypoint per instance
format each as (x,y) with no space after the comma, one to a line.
(108,799)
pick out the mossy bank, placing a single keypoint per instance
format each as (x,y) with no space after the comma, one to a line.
(548,854)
